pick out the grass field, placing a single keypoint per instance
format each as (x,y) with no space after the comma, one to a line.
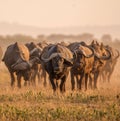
(40,104)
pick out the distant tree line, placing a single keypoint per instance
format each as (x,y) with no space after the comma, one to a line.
(87,37)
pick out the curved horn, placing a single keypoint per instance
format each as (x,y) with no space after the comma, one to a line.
(25,65)
(33,61)
(21,66)
(32,51)
(82,51)
(36,49)
(118,54)
(104,57)
(49,58)
(54,55)
(92,50)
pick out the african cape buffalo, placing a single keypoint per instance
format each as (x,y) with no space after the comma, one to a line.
(57,60)
(17,60)
(101,56)
(34,51)
(82,65)
(108,69)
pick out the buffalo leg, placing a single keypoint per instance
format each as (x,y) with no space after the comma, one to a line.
(62,85)
(80,81)
(53,84)
(33,79)
(110,74)
(45,78)
(72,80)
(42,76)
(19,80)
(86,80)
(96,79)
(100,77)
(77,79)
(39,77)
(12,79)
(104,76)
(90,81)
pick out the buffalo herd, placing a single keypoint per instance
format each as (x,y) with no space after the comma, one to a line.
(83,63)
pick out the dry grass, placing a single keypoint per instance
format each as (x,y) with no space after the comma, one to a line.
(39,103)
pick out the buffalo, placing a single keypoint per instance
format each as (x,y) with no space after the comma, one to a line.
(109,66)
(42,73)
(57,61)
(34,51)
(17,60)
(101,56)
(82,65)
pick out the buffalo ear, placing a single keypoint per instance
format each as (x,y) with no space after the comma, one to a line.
(93,42)
(97,43)
(101,46)
(68,63)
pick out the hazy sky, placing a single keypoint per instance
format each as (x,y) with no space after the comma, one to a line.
(60,13)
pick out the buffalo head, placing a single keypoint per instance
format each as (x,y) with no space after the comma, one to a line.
(58,61)
(101,52)
(24,65)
